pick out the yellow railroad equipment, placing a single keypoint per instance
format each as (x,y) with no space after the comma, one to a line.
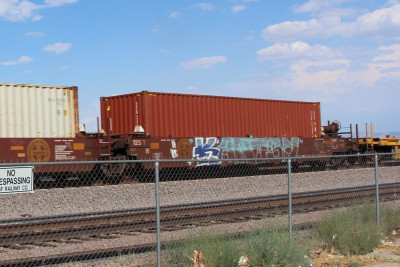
(387,144)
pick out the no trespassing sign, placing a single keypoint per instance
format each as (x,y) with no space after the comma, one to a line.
(16,180)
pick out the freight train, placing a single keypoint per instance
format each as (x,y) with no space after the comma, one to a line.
(41,124)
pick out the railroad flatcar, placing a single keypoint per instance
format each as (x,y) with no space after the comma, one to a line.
(41,124)
(152,125)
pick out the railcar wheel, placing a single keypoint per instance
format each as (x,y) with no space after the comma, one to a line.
(352,160)
(295,167)
(321,166)
(366,160)
(113,171)
(318,166)
(337,162)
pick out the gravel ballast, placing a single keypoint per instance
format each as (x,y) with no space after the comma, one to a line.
(60,201)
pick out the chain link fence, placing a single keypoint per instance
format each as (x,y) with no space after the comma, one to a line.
(72,211)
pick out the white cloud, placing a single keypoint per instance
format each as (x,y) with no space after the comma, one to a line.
(204,6)
(163,50)
(238,8)
(391,53)
(388,62)
(37,17)
(383,22)
(332,76)
(35,34)
(321,76)
(203,63)
(259,75)
(336,76)
(290,30)
(324,8)
(293,51)
(313,6)
(21,60)
(175,14)
(392,2)
(59,2)
(22,10)
(14,10)
(57,48)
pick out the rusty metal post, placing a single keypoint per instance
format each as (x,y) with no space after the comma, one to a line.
(357,133)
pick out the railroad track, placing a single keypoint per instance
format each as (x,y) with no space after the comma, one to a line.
(132,176)
(15,234)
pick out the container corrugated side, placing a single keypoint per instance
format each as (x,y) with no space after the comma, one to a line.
(184,115)
(30,111)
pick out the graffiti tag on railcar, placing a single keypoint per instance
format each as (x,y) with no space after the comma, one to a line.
(205,150)
(210,148)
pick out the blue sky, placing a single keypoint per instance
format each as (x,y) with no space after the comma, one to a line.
(342,53)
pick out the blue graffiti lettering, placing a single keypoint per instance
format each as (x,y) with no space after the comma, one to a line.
(243,148)
(204,149)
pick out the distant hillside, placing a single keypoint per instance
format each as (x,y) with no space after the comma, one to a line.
(395,133)
(389,133)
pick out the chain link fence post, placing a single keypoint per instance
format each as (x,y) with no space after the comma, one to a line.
(377,188)
(157,188)
(290,199)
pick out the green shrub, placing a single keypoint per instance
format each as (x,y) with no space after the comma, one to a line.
(389,219)
(270,247)
(354,264)
(218,251)
(352,231)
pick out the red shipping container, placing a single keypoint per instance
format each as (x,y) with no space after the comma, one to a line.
(185,115)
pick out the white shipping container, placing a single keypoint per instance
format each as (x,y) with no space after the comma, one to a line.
(37,111)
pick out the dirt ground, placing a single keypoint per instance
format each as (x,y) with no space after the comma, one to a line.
(386,255)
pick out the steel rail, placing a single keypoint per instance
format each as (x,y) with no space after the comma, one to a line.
(72,226)
(36,230)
